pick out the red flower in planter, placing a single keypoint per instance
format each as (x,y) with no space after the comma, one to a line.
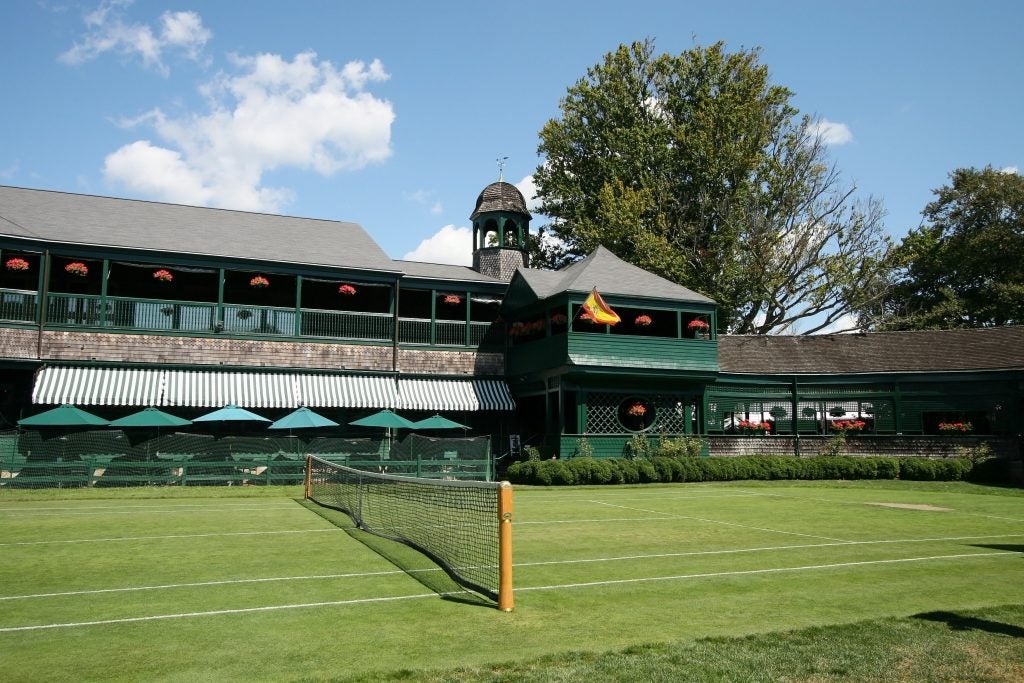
(259,282)
(697,325)
(77,269)
(452,300)
(163,275)
(643,321)
(347,290)
(637,410)
(17,264)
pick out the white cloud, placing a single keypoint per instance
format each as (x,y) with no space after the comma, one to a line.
(107,31)
(831,133)
(425,198)
(529,190)
(450,245)
(273,113)
(1009,170)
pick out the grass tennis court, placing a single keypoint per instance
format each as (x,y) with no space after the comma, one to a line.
(246,584)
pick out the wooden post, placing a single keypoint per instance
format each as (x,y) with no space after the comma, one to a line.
(505,599)
(309,474)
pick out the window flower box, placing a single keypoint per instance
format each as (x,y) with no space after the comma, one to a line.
(752,427)
(955,428)
(847,426)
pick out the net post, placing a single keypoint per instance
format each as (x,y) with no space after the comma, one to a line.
(309,475)
(505,599)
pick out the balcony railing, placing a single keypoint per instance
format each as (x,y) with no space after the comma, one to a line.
(90,310)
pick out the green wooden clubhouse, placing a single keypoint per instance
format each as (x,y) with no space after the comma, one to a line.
(121,304)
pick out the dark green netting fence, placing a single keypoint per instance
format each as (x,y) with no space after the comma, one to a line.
(109,458)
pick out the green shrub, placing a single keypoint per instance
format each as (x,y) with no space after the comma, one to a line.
(532,453)
(680,447)
(638,446)
(584,448)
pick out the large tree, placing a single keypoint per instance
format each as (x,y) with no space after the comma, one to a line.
(696,167)
(964,266)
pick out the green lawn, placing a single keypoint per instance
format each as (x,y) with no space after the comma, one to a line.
(228,584)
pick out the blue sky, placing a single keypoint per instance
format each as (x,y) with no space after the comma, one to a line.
(392,114)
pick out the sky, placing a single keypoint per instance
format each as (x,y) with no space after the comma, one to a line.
(395,115)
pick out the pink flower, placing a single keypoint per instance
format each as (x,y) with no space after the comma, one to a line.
(259,282)
(17,264)
(77,269)
(347,290)
(697,324)
(163,275)
(643,321)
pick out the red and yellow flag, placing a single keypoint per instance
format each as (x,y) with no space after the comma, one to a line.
(595,309)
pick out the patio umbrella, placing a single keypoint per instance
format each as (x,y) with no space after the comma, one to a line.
(438,422)
(150,417)
(231,413)
(303,418)
(386,419)
(64,416)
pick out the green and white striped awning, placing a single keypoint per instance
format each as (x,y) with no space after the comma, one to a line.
(213,389)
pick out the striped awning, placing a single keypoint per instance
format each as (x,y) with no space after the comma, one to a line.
(205,389)
(213,389)
(98,386)
(350,391)
(454,394)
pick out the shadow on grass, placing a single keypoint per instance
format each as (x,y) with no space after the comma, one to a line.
(411,561)
(959,622)
(1016,548)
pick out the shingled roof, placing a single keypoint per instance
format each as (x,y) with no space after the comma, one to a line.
(500,196)
(67,218)
(993,348)
(611,276)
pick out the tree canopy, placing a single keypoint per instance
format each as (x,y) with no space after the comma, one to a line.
(964,266)
(697,168)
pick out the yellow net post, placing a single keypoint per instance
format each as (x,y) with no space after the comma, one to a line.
(505,600)
(309,474)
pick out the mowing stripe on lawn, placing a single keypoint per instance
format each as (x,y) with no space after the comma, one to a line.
(362,601)
(163,506)
(776,570)
(138,513)
(715,521)
(173,536)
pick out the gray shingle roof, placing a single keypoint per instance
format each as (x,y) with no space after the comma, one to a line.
(441,271)
(921,351)
(104,221)
(611,275)
(500,196)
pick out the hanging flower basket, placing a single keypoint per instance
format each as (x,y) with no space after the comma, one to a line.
(347,290)
(77,269)
(259,282)
(17,264)
(697,325)
(637,410)
(452,300)
(163,275)
(643,321)
(955,427)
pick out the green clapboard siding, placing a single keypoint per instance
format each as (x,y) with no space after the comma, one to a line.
(541,354)
(658,353)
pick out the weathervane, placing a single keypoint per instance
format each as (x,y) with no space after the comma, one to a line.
(501,167)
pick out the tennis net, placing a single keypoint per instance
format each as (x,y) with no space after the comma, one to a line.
(464,526)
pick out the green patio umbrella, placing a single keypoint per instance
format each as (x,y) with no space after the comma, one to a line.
(231,413)
(384,418)
(150,417)
(64,416)
(438,422)
(303,418)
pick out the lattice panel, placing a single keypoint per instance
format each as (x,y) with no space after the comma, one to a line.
(603,411)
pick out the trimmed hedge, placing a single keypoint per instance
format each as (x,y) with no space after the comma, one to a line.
(669,469)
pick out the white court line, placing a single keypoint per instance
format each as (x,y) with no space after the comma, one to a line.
(158,538)
(121,507)
(775,570)
(715,521)
(516,565)
(151,511)
(183,615)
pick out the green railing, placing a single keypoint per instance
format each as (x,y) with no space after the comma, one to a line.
(18,305)
(90,310)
